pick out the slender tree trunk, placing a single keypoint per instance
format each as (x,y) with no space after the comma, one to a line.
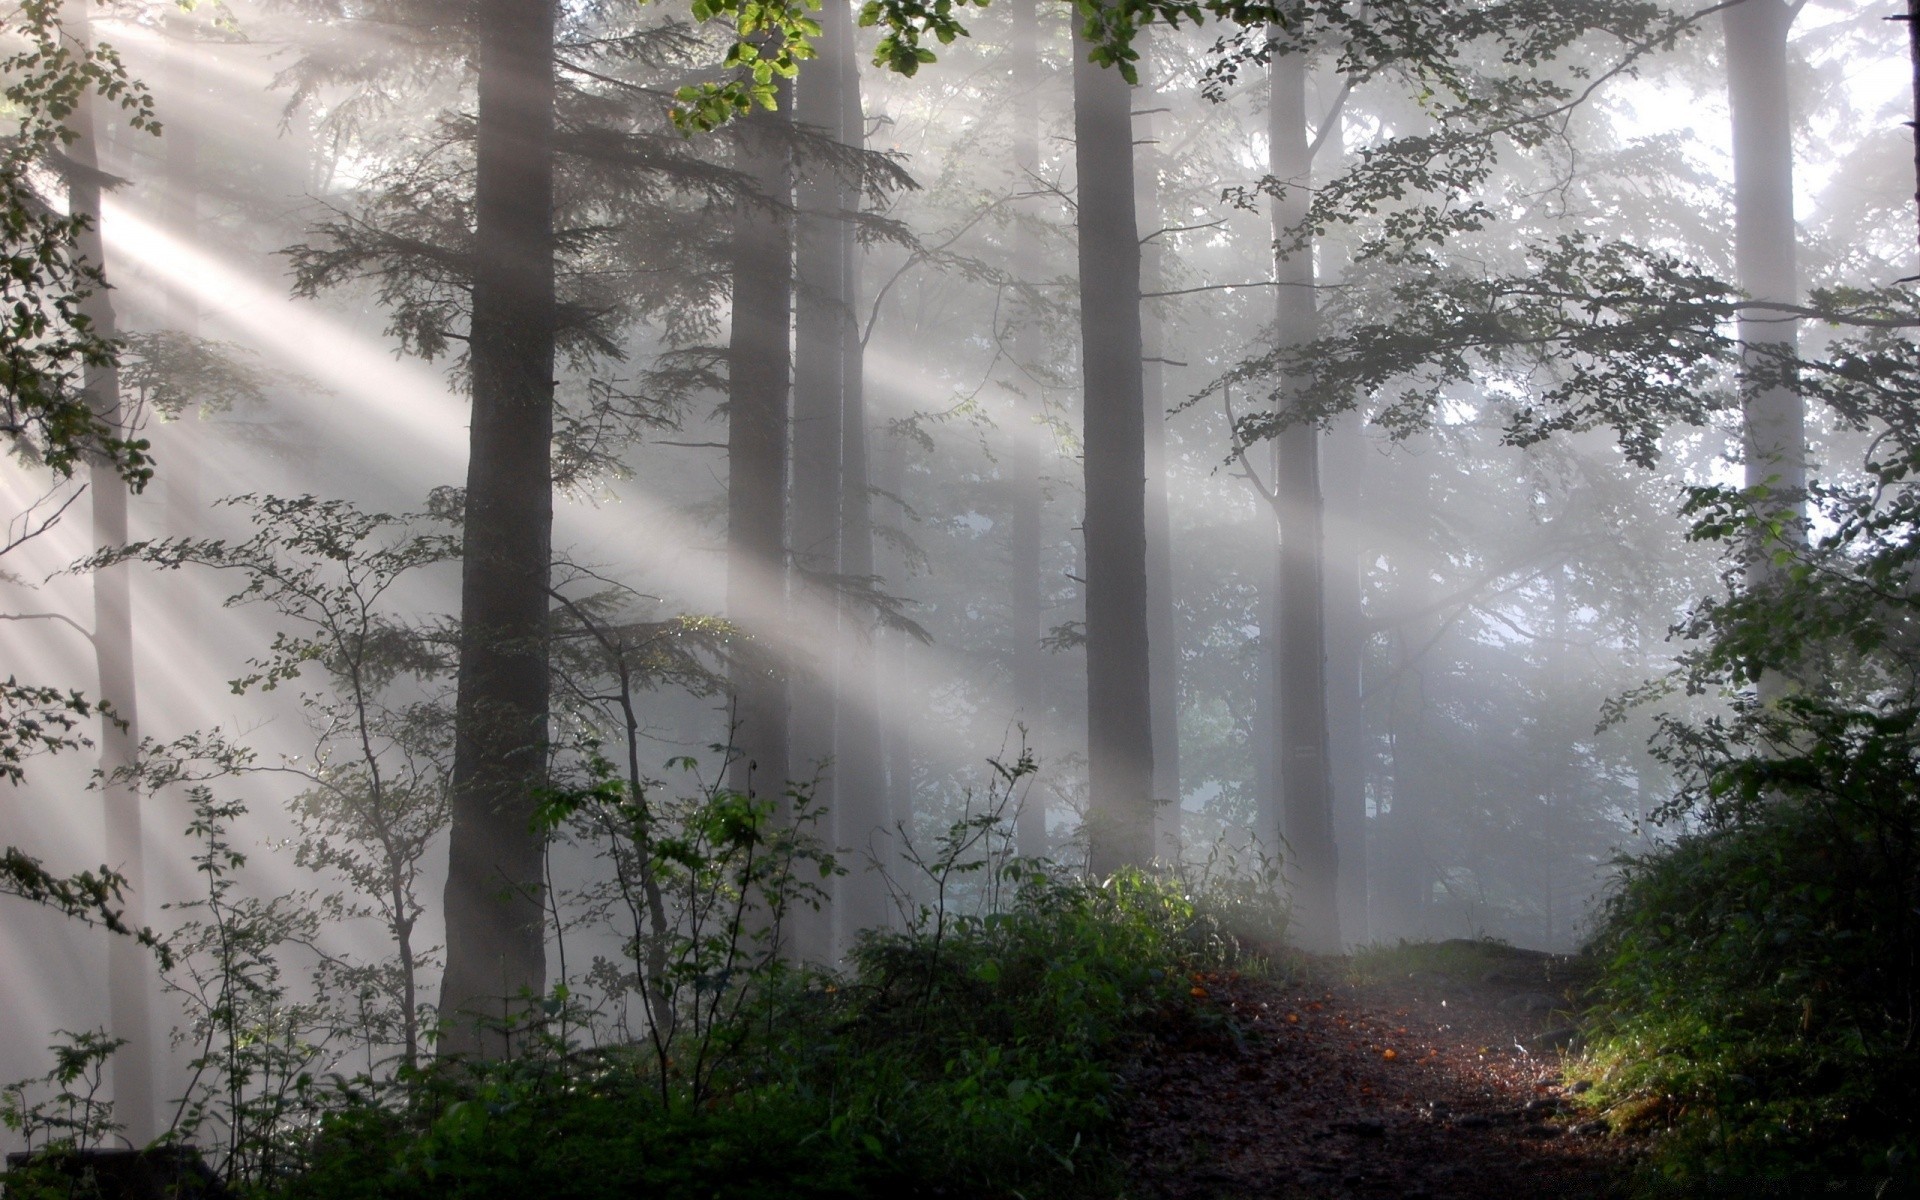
(1344,455)
(759,376)
(1119,704)
(1913,51)
(129,965)
(1163,646)
(819,387)
(1345,458)
(896,738)
(496,951)
(863,814)
(1764,252)
(1300,689)
(183,485)
(1026,460)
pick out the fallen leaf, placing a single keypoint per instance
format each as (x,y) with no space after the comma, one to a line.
(1389,1055)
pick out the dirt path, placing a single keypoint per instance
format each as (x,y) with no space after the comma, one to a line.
(1420,1087)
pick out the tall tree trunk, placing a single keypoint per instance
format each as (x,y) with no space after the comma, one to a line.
(1344,458)
(129,965)
(1163,647)
(1912,19)
(1299,671)
(1119,704)
(182,487)
(889,477)
(1764,254)
(819,384)
(496,952)
(862,813)
(759,375)
(1026,600)
(1344,455)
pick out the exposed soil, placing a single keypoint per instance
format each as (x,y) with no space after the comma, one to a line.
(1420,1086)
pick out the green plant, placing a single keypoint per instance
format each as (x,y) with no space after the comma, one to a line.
(73,1116)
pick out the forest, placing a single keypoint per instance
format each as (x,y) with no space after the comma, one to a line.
(1124,598)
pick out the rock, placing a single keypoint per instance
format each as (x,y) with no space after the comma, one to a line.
(1591,1129)
(1473,1121)
(1581,1086)
(1546,1105)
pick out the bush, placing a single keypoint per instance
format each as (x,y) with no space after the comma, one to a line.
(1758,996)
(978,1060)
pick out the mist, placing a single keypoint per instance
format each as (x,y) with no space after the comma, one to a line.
(1280,472)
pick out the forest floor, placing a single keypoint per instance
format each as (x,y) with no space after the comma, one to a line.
(1414,1084)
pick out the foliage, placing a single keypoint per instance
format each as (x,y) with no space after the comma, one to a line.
(986,1063)
(46,342)
(703,890)
(253,1042)
(377,777)
(73,1116)
(1762,986)
(46,345)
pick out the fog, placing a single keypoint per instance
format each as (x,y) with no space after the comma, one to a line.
(1441,750)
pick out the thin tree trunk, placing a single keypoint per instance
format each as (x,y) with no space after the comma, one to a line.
(759,375)
(1345,458)
(863,817)
(1344,455)
(496,952)
(1300,689)
(1764,253)
(1163,646)
(819,384)
(129,965)
(1119,704)
(1913,50)
(1026,600)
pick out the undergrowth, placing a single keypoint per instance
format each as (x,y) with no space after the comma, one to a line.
(1757,1007)
(982,1062)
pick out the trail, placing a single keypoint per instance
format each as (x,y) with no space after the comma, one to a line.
(1419,1087)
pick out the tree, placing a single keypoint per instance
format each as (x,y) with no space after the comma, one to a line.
(1025,599)
(1298,638)
(1764,257)
(1119,702)
(862,816)
(496,955)
(129,967)
(1163,648)
(757,383)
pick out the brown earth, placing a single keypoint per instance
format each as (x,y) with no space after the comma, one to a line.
(1420,1086)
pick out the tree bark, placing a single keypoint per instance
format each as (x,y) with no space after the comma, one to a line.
(496,952)
(1299,672)
(1119,703)
(129,965)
